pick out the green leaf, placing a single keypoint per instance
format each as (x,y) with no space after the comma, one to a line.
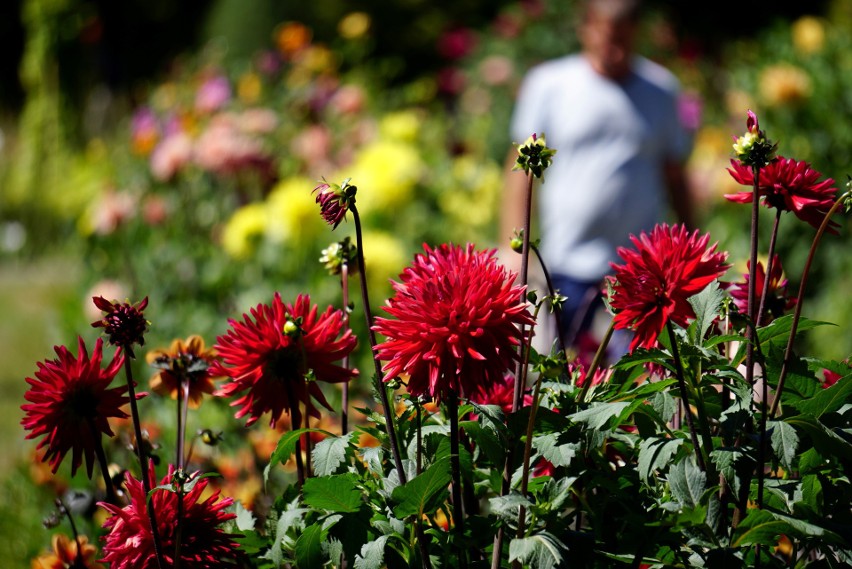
(507,506)
(422,493)
(329,454)
(655,454)
(336,493)
(665,405)
(308,550)
(599,415)
(778,331)
(706,306)
(759,526)
(734,464)
(785,441)
(245,518)
(486,440)
(286,447)
(826,400)
(372,554)
(826,441)
(558,454)
(687,483)
(542,550)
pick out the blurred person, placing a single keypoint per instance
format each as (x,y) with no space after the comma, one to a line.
(612,116)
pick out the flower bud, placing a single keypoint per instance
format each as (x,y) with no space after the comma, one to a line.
(534,156)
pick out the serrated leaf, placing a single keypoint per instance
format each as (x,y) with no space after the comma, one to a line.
(706,305)
(420,494)
(826,400)
(826,441)
(665,405)
(599,415)
(286,447)
(557,454)
(687,483)
(486,440)
(778,331)
(507,506)
(309,550)
(733,464)
(785,441)
(655,454)
(759,526)
(372,554)
(245,518)
(329,454)
(541,550)
(336,493)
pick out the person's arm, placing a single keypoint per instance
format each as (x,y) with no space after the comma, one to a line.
(680,194)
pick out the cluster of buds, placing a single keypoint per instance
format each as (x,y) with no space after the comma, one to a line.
(338,254)
(534,156)
(123,322)
(753,148)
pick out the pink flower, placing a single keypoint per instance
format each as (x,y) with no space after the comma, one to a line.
(212,94)
(172,154)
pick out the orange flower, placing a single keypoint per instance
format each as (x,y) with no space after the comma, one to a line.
(65,554)
(184,360)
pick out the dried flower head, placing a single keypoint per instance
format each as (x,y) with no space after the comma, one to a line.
(71,403)
(123,322)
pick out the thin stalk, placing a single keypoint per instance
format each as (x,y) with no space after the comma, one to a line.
(684,396)
(419,435)
(296,423)
(751,333)
(388,410)
(560,335)
(383,392)
(525,470)
(525,259)
(78,559)
(180,462)
(596,361)
(764,394)
(140,454)
(455,468)
(112,498)
(799,299)
(344,405)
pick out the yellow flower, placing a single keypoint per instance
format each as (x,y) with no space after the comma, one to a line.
(385,173)
(354,25)
(808,34)
(294,215)
(402,126)
(384,257)
(244,230)
(472,198)
(249,87)
(784,84)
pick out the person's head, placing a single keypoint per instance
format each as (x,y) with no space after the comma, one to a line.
(607,32)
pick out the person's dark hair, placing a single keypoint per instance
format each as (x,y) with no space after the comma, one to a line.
(617,10)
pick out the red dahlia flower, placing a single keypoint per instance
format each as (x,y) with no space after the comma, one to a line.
(70,404)
(788,185)
(273,353)
(658,276)
(123,322)
(335,200)
(184,360)
(777,302)
(203,545)
(501,394)
(457,314)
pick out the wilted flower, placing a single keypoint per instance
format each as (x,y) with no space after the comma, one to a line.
(457,314)
(129,543)
(70,404)
(184,361)
(659,274)
(777,301)
(753,148)
(67,555)
(335,200)
(788,185)
(534,156)
(278,354)
(123,322)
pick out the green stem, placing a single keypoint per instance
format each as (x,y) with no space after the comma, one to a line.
(684,395)
(525,258)
(183,406)
(751,333)
(596,361)
(800,298)
(525,469)
(560,335)
(112,498)
(344,404)
(140,454)
(455,467)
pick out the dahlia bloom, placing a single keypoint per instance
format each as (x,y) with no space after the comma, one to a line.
(457,314)
(70,404)
(66,555)
(501,394)
(335,200)
(272,354)
(184,360)
(123,322)
(777,302)
(129,543)
(788,185)
(658,276)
